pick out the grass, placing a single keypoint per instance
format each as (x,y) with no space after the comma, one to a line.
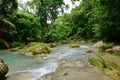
(14,49)
(117,53)
(109,66)
(107,46)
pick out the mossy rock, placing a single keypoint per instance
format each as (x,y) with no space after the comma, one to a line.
(53,45)
(65,41)
(3,69)
(89,51)
(14,49)
(36,48)
(74,45)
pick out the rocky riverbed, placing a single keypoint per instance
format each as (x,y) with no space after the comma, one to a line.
(74,70)
(70,64)
(67,70)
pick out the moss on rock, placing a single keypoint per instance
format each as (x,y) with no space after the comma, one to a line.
(36,48)
(53,45)
(74,45)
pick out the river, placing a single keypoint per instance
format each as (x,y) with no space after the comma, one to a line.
(37,66)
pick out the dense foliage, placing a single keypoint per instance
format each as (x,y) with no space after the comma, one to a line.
(8,7)
(28,28)
(95,19)
(47,10)
(58,31)
(92,19)
(21,28)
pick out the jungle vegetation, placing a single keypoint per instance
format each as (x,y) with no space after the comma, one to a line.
(92,19)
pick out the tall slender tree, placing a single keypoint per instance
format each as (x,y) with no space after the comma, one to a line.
(47,10)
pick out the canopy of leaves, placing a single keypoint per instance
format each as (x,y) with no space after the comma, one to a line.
(8,7)
(46,9)
(98,19)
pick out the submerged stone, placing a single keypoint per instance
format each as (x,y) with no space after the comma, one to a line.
(74,45)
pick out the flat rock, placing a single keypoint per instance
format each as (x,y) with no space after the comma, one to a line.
(21,76)
(76,70)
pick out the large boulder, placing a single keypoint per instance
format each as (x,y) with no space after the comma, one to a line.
(3,69)
(116,48)
(113,49)
(36,48)
(99,44)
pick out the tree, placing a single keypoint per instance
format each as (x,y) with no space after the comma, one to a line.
(98,18)
(47,10)
(8,7)
(7,28)
(111,25)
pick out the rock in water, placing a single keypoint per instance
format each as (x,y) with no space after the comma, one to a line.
(74,45)
(36,48)
(116,48)
(3,69)
(99,44)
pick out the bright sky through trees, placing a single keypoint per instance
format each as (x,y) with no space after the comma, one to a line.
(67,2)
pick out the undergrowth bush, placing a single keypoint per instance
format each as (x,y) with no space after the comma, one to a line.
(28,27)
(109,66)
(58,31)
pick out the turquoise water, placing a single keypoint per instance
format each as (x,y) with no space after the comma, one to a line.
(16,61)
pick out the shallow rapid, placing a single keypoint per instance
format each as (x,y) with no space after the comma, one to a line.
(34,67)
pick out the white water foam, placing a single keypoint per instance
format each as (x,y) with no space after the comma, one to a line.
(37,73)
(84,46)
